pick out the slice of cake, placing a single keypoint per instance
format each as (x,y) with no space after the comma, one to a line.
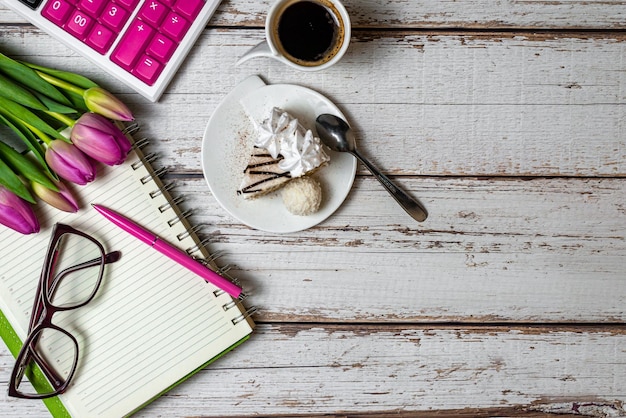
(262,174)
(283,150)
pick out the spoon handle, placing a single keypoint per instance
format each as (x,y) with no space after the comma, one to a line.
(412,207)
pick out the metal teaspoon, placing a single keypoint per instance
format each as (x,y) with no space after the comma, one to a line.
(337,135)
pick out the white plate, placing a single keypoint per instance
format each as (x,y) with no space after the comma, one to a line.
(227,144)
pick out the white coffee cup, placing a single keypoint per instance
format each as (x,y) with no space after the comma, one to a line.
(308,35)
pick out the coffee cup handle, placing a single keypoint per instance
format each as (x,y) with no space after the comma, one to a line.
(260,50)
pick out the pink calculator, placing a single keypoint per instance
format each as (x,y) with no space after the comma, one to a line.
(140,42)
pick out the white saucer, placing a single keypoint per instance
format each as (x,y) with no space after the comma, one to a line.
(227,144)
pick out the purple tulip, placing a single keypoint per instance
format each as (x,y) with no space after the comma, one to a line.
(99,138)
(62,199)
(16,213)
(70,163)
(104,103)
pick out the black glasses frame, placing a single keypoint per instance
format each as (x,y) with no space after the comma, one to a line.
(44,310)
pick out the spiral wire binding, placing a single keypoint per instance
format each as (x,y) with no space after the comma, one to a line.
(150,177)
(198,246)
(212,258)
(248,313)
(175,202)
(221,270)
(234,302)
(183,215)
(131,128)
(140,143)
(188,232)
(148,158)
(164,189)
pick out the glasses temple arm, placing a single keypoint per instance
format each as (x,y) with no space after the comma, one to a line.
(109,258)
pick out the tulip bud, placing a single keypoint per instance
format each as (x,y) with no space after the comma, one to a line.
(62,199)
(99,138)
(16,213)
(106,104)
(70,163)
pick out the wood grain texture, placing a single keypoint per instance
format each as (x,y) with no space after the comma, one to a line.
(346,370)
(509,14)
(476,105)
(513,250)
(506,119)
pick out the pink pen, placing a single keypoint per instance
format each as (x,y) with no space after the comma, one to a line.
(169,251)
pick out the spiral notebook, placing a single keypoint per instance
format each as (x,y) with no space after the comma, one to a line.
(152,325)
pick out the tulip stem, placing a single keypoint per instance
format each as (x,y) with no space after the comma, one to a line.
(66,120)
(41,135)
(60,83)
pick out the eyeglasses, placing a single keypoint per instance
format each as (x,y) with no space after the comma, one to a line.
(70,278)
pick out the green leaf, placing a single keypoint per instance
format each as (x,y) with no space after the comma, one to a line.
(53,105)
(11,181)
(14,91)
(28,117)
(27,76)
(31,142)
(78,102)
(76,79)
(25,166)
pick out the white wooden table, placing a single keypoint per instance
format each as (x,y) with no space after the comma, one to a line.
(508,121)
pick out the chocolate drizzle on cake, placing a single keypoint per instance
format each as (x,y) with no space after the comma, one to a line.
(262,174)
(270,161)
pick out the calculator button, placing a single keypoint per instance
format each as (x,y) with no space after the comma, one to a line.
(57,11)
(114,16)
(101,38)
(175,26)
(127,4)
(92,7)
(132,44)
(189,8)
(79,24)
(148,69)
(153,12)
(161,47)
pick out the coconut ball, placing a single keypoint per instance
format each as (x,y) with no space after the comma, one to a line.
(302,196)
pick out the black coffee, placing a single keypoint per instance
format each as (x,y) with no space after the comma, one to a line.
(307,31)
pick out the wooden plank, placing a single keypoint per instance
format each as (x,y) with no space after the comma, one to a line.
(451,105)
(458,105)
(350,370)
(335,369)
(547,250)
(535,14)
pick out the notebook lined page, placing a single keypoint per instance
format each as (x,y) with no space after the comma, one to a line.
(152,322)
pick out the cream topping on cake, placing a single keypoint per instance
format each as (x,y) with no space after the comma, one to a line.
(301,153)
(273,130)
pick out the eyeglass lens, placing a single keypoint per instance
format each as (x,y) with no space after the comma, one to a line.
(74,271)
(56,354)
